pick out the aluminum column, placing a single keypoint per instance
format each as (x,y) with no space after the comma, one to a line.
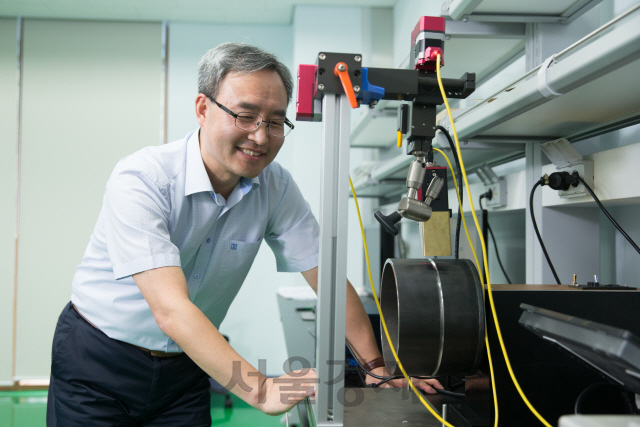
(332,275)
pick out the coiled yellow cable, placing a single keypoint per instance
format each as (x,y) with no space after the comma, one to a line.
(382,321)
(484,253)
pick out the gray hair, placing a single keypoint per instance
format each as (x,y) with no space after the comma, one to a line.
(238,58)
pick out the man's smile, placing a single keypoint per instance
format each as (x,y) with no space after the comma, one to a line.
(250,152)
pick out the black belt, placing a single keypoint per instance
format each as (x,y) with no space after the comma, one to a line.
(154,353)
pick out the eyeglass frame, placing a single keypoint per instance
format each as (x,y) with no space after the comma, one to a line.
(262,120)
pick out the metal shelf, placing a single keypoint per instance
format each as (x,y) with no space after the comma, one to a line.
(375,128)
(543,11)
(477,47)
(598,77)
(389,178)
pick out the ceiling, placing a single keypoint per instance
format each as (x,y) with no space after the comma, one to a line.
(270,12)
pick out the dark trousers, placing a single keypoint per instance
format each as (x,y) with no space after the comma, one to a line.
(97,381)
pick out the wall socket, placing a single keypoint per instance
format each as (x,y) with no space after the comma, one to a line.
(586,173)
(498,194)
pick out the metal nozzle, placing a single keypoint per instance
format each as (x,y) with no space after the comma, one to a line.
(433,190)
(416,175)
(414,209)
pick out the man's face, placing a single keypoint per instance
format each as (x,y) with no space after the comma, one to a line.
(227,151)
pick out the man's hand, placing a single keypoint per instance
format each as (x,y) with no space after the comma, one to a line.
(166,291)
(428,386)
(278,395)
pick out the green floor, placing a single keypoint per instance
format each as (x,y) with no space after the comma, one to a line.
(29,408)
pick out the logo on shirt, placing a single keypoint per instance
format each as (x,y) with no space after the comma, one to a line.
(234,246)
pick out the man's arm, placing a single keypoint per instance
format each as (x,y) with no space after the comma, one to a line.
(359,334)
(165,290)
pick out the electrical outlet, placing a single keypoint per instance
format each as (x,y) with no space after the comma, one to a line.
(498,194)
(585,170)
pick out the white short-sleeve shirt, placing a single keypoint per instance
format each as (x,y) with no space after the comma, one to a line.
(159,210)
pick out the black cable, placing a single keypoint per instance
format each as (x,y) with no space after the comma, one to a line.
(379,377)
(448,381)
(361,375)
(495,245)
(400,376)
(448,393)
(457,161)
(458,384)
(613,221)
(383,382)
(484,221)
(535,227)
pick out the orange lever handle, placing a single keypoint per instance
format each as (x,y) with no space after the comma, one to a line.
(342,72)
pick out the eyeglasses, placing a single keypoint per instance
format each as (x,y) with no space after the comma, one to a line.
(251,121)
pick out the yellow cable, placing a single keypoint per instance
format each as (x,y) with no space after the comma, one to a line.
(464,223)
(486,337)
(493,377)
(399,139)
(484,253)
(384,324)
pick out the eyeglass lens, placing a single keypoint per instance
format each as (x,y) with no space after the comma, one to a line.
(251,122)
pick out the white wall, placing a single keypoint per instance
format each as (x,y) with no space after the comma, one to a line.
(316,29)
(508,228)
(8,191)
(91,96)
(627,265)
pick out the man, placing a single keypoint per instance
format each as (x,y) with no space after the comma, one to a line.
(179,228)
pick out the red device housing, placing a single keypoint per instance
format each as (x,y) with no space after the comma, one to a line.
(306,92)
(425,49)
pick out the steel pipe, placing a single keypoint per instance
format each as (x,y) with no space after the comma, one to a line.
(434,311)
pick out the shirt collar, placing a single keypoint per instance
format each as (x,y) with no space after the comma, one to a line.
(197,180)
(241,189)
(247,184)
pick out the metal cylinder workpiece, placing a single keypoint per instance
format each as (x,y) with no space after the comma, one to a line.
(434,311)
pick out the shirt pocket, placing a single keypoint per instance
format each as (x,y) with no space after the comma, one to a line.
(237,259)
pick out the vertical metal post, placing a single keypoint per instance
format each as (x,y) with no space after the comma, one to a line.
(332,274)
(534,254)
